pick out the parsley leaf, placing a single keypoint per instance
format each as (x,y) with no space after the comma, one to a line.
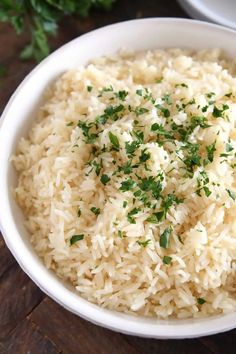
(76,238)
(128,185)
(144,243)
(219,113)
(131,147)
(121,95)
(165,237)
(231,194)
(105,179)
(114,141)
(95,210)
(167,260)
(131,214)
(201,301)
(140,110)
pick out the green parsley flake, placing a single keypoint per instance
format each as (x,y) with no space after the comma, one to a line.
(95,210)
(201,301)
(167,260)
(210,153)
(89,88)
(144,244)
(79,212)
(165,237)
(139,92)
(114,141)
(231,194)
(105,179)
(144,156)
(220,113)
(140,110)
(128,185)
(69,124)
(76,238)
(131,147)
(131,214)
(165,111)
(229,147)
(121,95)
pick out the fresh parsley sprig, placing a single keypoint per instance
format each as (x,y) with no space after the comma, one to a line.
(41,18)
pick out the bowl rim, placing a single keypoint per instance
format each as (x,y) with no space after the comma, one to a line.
(201,10)
(161,329)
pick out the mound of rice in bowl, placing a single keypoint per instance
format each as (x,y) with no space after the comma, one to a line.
(127,182)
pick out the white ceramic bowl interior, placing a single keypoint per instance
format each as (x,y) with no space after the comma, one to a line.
(21,111)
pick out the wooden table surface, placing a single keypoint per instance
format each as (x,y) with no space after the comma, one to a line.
(30,322)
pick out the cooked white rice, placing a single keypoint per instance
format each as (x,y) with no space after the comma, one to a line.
(181,264)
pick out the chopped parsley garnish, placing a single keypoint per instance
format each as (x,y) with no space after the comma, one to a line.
(165,111)
(144,156)
(202,182)
(139,92)
(79,212)
(121,95)
(140,110)
(193,157)
(144,243)
(159,81)
(85,127)
(180,240)
(127,168)
(98,167)
(76,238)
(95,210)
(151,184)
(105,179)
(70,124)
(204,109)
(125,203)
(229,147)
(210,153)
(220,113)
(131,214)
(198,121)
(201,301)
(210,94)
(167,260)
(155,218)
(166,98)
(128,185)
(165,237)
(112,111)
(89,88)
(131,147)
(139,136)
(182,85)
(231,194)
(121,234)
(161,131)
(114,141)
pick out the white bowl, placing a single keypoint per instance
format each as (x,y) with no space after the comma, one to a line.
(218,11)
(21,110)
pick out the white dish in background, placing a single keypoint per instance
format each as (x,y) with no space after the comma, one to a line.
(218,11)
(18,115)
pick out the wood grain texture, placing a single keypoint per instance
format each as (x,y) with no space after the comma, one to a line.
(30,322)
(78,332)
(19,295)
(27,339)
